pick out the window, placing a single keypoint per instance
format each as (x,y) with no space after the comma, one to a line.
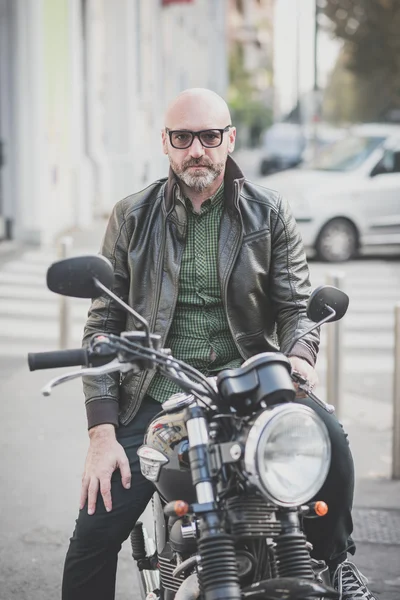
(345,155)
(389,163)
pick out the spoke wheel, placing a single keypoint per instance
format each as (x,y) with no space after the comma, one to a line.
(337,242)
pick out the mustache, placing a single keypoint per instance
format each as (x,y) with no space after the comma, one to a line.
(196,163)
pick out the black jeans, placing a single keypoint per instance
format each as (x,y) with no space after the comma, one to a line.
(91,562)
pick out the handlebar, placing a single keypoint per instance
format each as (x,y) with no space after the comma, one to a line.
(73,357)
(110,353)
(59,358)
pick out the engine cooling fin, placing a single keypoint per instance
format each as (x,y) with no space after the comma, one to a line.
(166,568)
(252,517)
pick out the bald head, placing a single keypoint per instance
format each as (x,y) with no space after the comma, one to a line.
(196,109)
(199,167)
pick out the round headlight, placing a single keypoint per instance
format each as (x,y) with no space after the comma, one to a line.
(287,454)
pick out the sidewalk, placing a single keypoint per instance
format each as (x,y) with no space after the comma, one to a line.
(376,513)
(88,240)
(83,241)
(368,422)
(376,519)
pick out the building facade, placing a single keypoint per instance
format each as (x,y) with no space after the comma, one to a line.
(83,88)
(251,85)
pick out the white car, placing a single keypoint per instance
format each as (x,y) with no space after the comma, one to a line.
(347,198)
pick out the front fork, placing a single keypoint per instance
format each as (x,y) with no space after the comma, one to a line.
(292,552)
(218,576)
(291,547)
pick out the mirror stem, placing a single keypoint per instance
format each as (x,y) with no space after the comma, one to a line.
(328,318)
(137,316)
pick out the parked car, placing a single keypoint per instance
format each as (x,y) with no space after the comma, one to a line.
(348,197)
(282,147)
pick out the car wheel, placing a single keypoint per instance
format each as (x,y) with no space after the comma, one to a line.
(264,168)
(338,241)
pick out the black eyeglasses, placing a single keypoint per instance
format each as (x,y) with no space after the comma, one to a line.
(209,138)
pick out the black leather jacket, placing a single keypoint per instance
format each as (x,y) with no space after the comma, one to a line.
(262,268)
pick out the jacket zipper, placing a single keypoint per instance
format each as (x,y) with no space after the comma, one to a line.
(131,414)
(225,286)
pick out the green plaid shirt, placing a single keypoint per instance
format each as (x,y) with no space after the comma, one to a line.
(199,333)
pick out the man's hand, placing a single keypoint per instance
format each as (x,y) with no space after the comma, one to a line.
(305,369)
(105,455)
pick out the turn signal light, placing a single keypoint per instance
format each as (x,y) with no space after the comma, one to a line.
(320,508)
(181,508)
(178,508)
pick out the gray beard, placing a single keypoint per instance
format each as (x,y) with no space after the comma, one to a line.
(198,183)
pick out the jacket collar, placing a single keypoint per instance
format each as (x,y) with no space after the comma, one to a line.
(232,174)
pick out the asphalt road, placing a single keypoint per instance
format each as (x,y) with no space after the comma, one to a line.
(43,444)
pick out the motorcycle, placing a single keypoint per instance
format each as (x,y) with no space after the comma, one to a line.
(235,461)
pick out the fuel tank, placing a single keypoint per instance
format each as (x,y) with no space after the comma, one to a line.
(167,434)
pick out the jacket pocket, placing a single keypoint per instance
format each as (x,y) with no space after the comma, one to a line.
(255,235)
(255,334)
(256,342)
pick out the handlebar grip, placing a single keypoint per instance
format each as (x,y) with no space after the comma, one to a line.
(58,358)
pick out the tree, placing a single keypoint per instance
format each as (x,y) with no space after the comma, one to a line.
(371,32)
(247,110)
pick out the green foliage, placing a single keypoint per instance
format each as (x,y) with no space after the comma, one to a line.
(247,110)
(369,67)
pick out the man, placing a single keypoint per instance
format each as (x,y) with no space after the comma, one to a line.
(216,265)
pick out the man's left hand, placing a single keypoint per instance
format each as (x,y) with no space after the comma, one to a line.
(305,369)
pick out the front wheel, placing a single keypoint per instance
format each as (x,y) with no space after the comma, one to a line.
(337,241)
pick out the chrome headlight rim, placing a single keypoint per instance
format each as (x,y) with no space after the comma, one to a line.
(252,451)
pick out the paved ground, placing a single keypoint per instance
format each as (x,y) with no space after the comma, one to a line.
(43,443)
(43,440)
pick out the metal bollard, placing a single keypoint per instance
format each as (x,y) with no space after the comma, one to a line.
(65,305)
(334,352)
(396,396)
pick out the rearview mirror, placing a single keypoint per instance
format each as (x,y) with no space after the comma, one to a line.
(323,298)
(76,276)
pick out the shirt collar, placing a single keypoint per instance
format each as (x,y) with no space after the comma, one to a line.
(211,202)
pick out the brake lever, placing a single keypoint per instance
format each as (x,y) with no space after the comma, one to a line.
(328,407)
(304,386)
(110,367)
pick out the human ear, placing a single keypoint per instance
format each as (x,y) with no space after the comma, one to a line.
(164,137)
(231,139)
